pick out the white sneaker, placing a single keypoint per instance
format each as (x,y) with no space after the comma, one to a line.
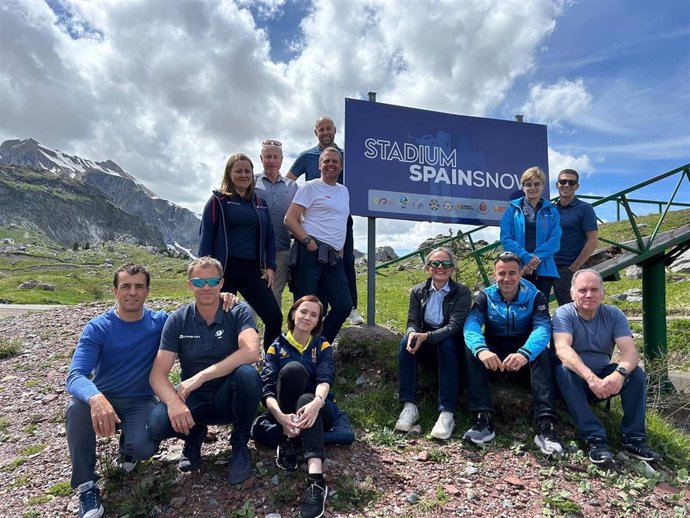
(355,318)
(443,428)
(408,417)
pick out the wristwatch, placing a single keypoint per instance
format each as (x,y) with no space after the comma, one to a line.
(622,371)
(306,240)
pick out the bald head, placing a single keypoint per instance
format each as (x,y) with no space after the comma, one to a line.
(324,129)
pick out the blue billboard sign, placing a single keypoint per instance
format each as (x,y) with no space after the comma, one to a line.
(405,163)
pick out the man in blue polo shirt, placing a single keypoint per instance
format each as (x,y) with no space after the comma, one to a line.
(307,163)
(219,384)
(579,233)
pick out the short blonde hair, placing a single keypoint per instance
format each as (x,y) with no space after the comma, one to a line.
(533,173)
(204,262)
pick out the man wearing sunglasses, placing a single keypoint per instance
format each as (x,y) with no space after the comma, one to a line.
(579,233)
(219,384)
(513,343)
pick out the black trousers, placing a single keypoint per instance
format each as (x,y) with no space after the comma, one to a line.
(244,276)
(292,383)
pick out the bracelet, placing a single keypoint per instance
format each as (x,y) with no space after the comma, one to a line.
(323,403)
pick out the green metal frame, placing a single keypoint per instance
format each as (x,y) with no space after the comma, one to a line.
(650,252)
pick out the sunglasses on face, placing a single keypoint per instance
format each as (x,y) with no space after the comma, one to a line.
(572,183)
(271,142)
(529,185)
(438,264)
(200,283)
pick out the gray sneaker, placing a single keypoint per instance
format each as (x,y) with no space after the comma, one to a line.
(482,431)
(546,439)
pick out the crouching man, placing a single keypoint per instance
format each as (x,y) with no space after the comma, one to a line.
(517,329)
(585,332)
(117,348)
(219,384)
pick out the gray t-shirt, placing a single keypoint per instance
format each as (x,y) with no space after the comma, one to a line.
(278,197)
(593,339)
(199,345)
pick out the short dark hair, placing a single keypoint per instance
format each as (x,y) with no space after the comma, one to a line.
(291,314)
(570,171)
(131,269)
(507,257)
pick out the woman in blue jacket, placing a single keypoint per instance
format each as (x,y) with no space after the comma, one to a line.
(236,230)
(531,229)
(297,376)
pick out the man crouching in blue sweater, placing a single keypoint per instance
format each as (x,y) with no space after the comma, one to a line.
(517,330)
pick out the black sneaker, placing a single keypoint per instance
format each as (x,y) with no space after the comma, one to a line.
(240,464)
(599,452)
(482,431)
(286,455)
(314,500)
(90,501)
(191,454)
(639,450)
(546,438)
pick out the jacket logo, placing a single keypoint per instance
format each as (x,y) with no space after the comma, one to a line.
(283,353)
(313,355)
(219,334)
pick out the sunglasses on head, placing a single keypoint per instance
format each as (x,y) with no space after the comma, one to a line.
(271,142)
(437,264)
(572,183)
(529,185)
(200,283)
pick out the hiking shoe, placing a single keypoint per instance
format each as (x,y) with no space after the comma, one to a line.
(599,452)
(639,450)
(90,501)
(355,318)
(124,462)
(286,455)
(408,417)
(443,428)
(240,464)
(546,439)
(482,431)
(314,500)
(191,453)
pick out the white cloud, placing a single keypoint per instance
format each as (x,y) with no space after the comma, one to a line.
(559,161)
(553,104)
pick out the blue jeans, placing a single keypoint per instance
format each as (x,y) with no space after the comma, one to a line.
(81,437)
(323,279)
(445,354)
(577,396)
(540,378)
(235,402)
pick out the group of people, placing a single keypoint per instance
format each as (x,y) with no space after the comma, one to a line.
(261,232)
(258,232)
(508,331)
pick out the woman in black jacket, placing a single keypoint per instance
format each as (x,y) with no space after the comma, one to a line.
(438,308)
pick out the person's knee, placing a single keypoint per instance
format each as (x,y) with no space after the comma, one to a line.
(448,349)
(144,448)
(247,380)
(293,372)
(158,423)
(305,399)
(637,378)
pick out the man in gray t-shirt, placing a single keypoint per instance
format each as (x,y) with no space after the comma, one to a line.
(585,332)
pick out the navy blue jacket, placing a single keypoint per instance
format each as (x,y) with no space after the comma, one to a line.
(215,226)
(317,361)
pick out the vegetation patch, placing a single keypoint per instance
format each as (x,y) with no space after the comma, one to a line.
(9,347)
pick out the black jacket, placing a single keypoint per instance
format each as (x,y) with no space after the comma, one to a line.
(456,306)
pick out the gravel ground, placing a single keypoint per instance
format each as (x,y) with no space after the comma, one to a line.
(413,476)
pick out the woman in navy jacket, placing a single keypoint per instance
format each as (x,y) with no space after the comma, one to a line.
(297,376)
(236,229)
(531,229)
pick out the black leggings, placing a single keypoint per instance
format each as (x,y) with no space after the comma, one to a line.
(244,275)
(291,386)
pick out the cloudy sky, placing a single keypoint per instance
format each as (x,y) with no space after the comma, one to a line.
(169,88)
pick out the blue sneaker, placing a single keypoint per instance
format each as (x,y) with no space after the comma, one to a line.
(90,501)
(240,464)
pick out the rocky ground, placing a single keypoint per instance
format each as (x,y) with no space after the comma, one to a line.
(382,474)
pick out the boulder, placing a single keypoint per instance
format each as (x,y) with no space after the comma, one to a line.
(682,263)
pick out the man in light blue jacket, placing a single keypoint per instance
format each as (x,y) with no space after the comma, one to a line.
(517,330)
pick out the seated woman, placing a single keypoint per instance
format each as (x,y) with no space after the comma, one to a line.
(297,377)
(531,229)
(438,308)
(236,230)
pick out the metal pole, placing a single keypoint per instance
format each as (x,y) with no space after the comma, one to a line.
(654,319)
(371,259)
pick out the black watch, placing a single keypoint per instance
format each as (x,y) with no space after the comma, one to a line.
(306,240)
(622,371)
